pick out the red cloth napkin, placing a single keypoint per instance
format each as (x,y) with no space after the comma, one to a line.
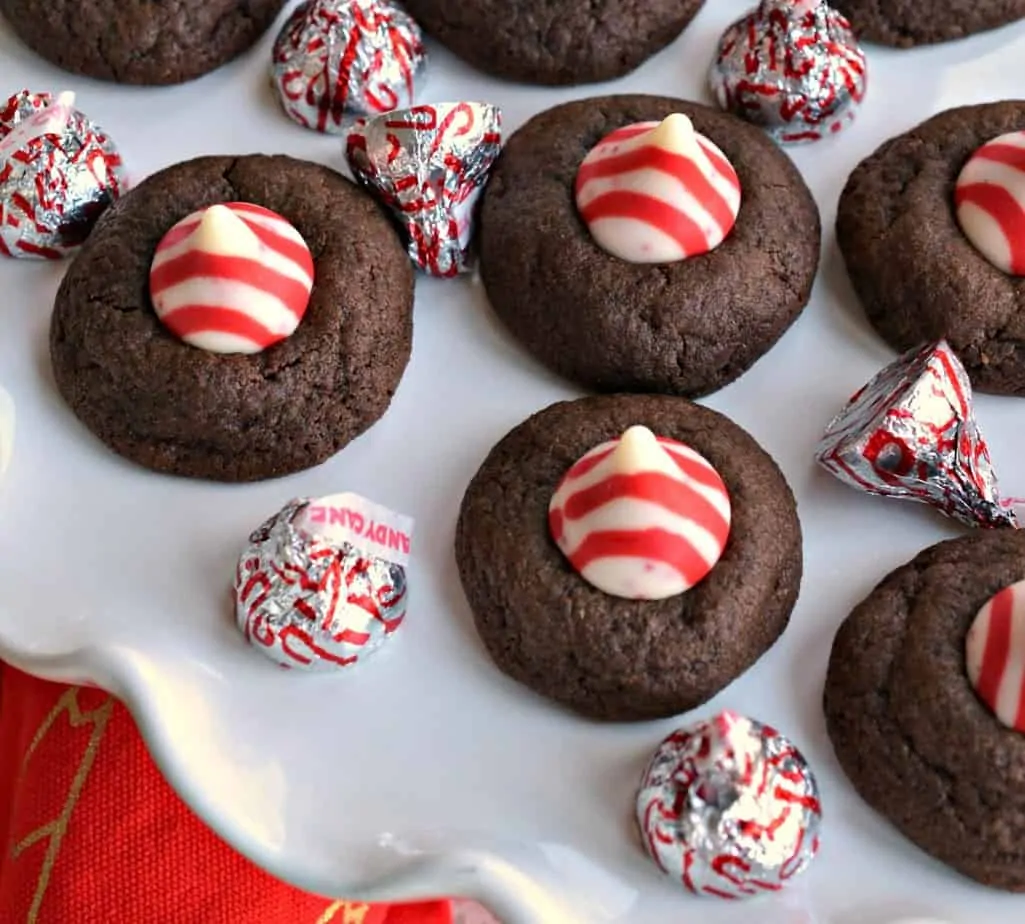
(92,834)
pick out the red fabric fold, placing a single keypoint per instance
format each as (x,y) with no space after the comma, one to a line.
(93,834)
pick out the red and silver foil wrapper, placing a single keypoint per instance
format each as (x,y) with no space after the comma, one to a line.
(429,165)
(730,808)
(311,603)
(911,433)
(792,67)
(58,173)
(342,58)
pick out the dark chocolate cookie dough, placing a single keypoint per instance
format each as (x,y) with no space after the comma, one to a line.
(917,275)
(909,731)
(604,656)
(540,42)
(683,328)
(140,41)
(906,23)
(179,409)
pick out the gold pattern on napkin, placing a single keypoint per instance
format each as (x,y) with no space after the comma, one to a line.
(53,831)
(351,914)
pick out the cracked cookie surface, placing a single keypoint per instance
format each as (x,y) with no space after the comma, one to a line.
(906,23)
(917,275)
(555,42)
(608,657)
(685,328)
(909,731)
(175,408)
(140,41)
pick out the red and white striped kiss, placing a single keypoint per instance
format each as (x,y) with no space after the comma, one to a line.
(233,278)
(990,200)
(658,192)
(995,655)
(641,517)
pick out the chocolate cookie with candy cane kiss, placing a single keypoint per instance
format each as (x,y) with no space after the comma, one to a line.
(628,556)
(930,227)
(641,243)
(223,323)
(925,703)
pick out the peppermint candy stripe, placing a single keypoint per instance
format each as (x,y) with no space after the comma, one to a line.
(995,655)
(642,199)
(990,200)
(240,296)
(647,533)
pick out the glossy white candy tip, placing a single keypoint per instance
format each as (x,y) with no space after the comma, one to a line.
(222,232)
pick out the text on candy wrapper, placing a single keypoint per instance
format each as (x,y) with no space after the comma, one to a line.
(354,521)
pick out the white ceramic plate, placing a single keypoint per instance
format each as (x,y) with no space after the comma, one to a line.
(427,772)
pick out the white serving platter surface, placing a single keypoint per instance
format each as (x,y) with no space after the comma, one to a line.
(426,772)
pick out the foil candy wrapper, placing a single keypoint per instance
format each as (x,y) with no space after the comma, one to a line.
(911,433)
(340,58)
(314,603)
(792,67)
(58,173)
(730,808)
(429,165)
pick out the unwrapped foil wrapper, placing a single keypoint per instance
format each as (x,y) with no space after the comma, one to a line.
(730,808)
(792,67)
(342,58)
(55,185)
(313,605)
(911,433)
(429,165)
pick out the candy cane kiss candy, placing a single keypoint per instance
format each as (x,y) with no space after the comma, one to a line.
(59,172)
(321,585)
(792,67)
(730,808)
(232,278)
(334,58)
(990,200)
(995,655)
(641,517)
(658,192)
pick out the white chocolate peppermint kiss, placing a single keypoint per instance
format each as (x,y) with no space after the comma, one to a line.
(641,517)
(990,201)
(233,278)
(658,192)
(995,655)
